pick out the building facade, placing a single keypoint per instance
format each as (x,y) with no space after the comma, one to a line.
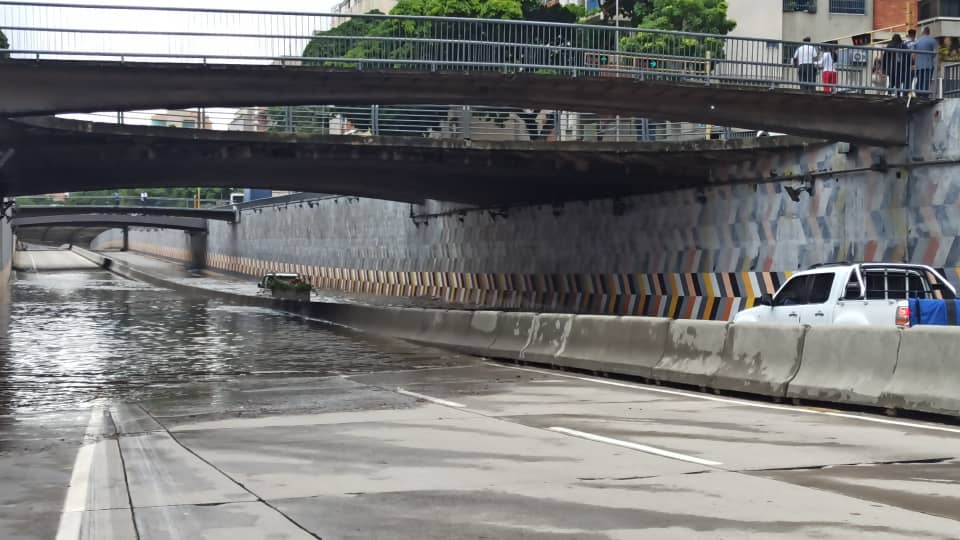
(823,20)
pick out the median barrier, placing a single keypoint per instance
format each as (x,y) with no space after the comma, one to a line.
(759,358)
(512,334)
(620,345)
(459,330)
(692,353)
(846,364)
(926,378)
(405,323)
(549,334)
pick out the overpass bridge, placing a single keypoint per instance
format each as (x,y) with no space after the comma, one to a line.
(155,63)
(81,228)
(55,155)
(22,212)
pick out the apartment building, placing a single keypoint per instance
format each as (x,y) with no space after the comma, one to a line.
(823,20)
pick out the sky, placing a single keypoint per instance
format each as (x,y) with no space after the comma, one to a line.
(294,29)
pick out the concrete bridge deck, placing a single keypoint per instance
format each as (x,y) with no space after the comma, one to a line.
(36,88)
(52,155)
(74,210)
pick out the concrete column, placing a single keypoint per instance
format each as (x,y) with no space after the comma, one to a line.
(198,250)
(126,239)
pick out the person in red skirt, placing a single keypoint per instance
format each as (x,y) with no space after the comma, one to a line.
(828,63)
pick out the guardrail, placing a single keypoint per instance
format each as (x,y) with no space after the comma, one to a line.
(431,121)
(951,80)
(122,201)
(38,30)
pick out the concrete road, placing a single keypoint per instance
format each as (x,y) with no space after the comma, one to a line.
(49,261)
(475,449)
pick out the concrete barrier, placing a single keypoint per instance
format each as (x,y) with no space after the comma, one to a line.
(622,345)
(511,335)
(692,353)
(549,336)
(846,364)
(390,321)
(464,331)
(759,358)
(927,377)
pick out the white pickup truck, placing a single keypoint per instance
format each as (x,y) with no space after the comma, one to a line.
(850,294)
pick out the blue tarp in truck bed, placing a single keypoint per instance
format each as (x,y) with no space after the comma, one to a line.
(933,312)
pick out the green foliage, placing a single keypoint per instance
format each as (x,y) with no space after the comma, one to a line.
(698,16)
(295,285)
(4,44)
(97,197)
(703,16)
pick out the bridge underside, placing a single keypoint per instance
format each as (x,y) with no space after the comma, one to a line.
(59,235)
(37,88)
(204,213)
(53,155)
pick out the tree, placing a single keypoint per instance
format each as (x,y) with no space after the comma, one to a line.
(696,16)
(4,44)
(702,16)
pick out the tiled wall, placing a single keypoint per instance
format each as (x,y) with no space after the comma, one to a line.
(691,253)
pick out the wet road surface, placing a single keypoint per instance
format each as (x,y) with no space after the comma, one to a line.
(128,411)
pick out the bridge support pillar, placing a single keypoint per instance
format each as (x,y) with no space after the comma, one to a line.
(198,249)
(126,239)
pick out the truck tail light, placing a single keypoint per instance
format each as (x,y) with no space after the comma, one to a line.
(903,316)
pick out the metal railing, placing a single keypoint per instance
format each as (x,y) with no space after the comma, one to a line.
(383,42)
(122,201)
(430,121)
(951,80)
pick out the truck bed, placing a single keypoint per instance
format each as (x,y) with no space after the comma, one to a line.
(934,312)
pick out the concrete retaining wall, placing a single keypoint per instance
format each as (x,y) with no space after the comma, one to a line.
(773,212)
(860,366)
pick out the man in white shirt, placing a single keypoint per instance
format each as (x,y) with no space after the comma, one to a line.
(805,58)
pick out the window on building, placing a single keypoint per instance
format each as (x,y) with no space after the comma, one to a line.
(800,5)
(853,7)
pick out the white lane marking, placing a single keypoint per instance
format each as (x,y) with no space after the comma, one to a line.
(634,446)
(76,500)
(744,403)
(438,401)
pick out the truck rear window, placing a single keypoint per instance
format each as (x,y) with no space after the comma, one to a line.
(895,284)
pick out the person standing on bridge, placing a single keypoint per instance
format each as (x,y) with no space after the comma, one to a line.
(827,63)
(805,58)
(926,46)
(896,64)
(116,199)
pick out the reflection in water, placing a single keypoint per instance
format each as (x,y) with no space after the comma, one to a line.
(79,336)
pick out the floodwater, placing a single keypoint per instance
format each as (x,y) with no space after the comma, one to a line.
(69,339)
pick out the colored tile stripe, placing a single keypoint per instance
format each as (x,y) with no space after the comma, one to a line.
(712,296)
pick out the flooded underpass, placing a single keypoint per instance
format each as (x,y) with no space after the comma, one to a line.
(77,337)
(129,411)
